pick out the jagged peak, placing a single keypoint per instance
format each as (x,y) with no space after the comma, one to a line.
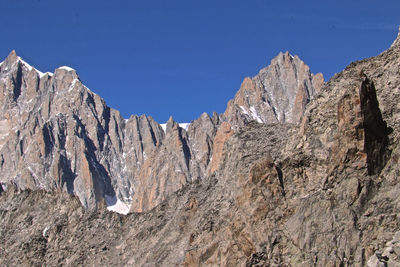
(13,58)
(285,56)
(171,124)
(397,40)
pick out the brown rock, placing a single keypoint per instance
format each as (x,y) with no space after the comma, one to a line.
(223,134)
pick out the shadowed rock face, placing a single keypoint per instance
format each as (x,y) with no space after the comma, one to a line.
(321,193)
(376,132)
(56,133)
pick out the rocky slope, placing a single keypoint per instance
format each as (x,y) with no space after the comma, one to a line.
(57,134)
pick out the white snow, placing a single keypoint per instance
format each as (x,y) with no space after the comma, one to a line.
(164,127)
(41,74)
(244,110)
(26,64)
(184,125)
(1,63)
(72,85)
(66,68)
(254,114)
(116,205)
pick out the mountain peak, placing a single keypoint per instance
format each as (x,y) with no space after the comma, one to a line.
(397,40)
(11,58)
(285,56)
(65,70)
(171,124)
(12,55)
(278,93)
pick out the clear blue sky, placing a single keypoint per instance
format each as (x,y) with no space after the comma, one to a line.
(184,57)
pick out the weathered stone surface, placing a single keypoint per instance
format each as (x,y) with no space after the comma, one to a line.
(223,134)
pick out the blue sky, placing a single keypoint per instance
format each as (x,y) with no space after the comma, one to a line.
(184,57)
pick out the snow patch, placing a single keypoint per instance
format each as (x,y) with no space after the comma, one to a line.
(244,110)
(26,64)
(254,114)
(43,74)
(29,67)
(66,68)
(72,85)
(116,205)
(164,127)
(184,125)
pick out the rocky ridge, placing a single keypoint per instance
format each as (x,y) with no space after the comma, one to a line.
(56,134)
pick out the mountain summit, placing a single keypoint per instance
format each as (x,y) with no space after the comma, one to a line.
(279,93)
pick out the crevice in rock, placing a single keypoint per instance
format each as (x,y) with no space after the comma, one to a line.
(280,176)
(17,81)
(375,129)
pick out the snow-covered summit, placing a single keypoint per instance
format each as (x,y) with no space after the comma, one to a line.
(66,68)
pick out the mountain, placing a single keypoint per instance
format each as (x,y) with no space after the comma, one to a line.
(56,134)
(323,192)
(279,93)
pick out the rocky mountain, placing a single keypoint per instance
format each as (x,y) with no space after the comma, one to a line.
(56,134)
(324,192)
(278,93)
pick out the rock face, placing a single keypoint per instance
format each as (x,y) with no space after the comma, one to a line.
(324,192)
(278,93)
(57,134)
